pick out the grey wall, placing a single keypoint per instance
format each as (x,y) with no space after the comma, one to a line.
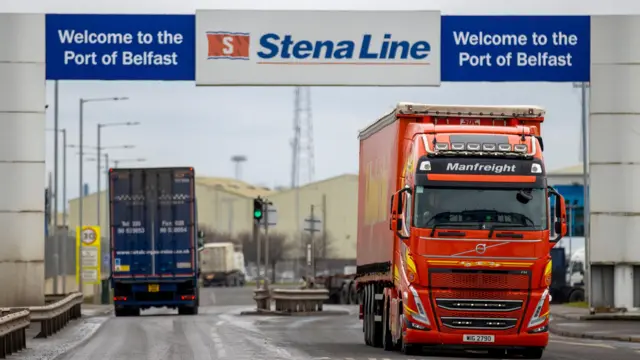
(69,267)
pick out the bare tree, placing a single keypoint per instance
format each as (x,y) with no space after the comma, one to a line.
(279,247)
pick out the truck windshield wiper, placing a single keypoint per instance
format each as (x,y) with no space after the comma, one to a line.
(496,226)
(447,224)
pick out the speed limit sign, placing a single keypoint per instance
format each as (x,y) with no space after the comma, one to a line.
(88,236)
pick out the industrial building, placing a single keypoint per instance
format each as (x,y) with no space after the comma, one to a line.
(226,205)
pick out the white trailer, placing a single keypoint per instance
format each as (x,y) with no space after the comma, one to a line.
(221,265)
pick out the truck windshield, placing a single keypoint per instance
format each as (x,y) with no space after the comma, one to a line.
(480,208)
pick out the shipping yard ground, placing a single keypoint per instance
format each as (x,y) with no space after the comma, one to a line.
(219,333)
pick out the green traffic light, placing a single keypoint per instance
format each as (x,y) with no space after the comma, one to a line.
(257,214)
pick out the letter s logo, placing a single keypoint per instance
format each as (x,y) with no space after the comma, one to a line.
(227,43)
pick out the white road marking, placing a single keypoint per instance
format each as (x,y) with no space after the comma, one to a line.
(583,344)
(217,344)
(219,323)
(302,322)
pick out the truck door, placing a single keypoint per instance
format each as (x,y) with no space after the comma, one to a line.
(130,230)
(174,223)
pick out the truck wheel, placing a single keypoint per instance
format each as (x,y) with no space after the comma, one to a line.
(387,339)
(376,310)
(344,296)
(367,317)
(134,312)
(353,293)
(120,312)
(576,295)
(185,310)
(409,349)
(532,353)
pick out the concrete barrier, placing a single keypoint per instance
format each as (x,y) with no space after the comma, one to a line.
(299,300)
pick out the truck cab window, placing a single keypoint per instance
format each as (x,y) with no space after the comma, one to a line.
(577,267)
(480,208)
(407,213)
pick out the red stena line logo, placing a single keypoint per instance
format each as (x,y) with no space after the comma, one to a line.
(228,45)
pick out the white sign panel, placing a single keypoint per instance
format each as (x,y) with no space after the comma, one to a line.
(331,48)
(271,214)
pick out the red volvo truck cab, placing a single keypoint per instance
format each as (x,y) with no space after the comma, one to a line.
(455,229)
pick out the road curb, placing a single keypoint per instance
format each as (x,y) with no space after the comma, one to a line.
(575,334)
(596,317)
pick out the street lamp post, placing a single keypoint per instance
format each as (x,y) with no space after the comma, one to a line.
(83,101)
(99,148)
(61,265)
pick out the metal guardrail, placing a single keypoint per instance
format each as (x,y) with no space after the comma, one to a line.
(53,316)
(299,300)
(13,324)
(57,313)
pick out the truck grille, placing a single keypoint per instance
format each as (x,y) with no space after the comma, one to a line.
(466,299)
(479,305)
(479,323)
(480,280)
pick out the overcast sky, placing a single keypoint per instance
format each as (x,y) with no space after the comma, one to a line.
(204,127)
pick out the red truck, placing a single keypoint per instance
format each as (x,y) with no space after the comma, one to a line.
(455,230)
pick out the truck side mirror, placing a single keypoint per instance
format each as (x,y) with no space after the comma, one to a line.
(393,196)
(560,224)
(399,221)
(200,234)
(399,203)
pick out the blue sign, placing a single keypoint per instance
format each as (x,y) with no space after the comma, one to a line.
(120,47)
(516,48)
(162,47)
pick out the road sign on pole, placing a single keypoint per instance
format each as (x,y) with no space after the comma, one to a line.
(272,216)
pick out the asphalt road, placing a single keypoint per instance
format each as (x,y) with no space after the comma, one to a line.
(219,333)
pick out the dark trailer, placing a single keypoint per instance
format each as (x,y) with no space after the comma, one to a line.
(153,239)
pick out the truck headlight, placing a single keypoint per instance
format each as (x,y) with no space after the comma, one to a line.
(421,316)
(538,318)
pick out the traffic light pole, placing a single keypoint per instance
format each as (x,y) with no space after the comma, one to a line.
(256,239)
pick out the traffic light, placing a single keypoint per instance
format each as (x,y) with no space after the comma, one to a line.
(257,209)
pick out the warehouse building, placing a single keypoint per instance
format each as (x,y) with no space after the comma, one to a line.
(226,205)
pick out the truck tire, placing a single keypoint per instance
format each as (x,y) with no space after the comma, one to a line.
(134,312)
(387,339)
(344,295)
(366,321)
(376,310)
(576,295)
(532,353)
(409,349)
(120,312)
(188,310)
(353,293)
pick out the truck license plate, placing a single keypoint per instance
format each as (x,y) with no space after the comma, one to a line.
(479,338)
(154,288)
